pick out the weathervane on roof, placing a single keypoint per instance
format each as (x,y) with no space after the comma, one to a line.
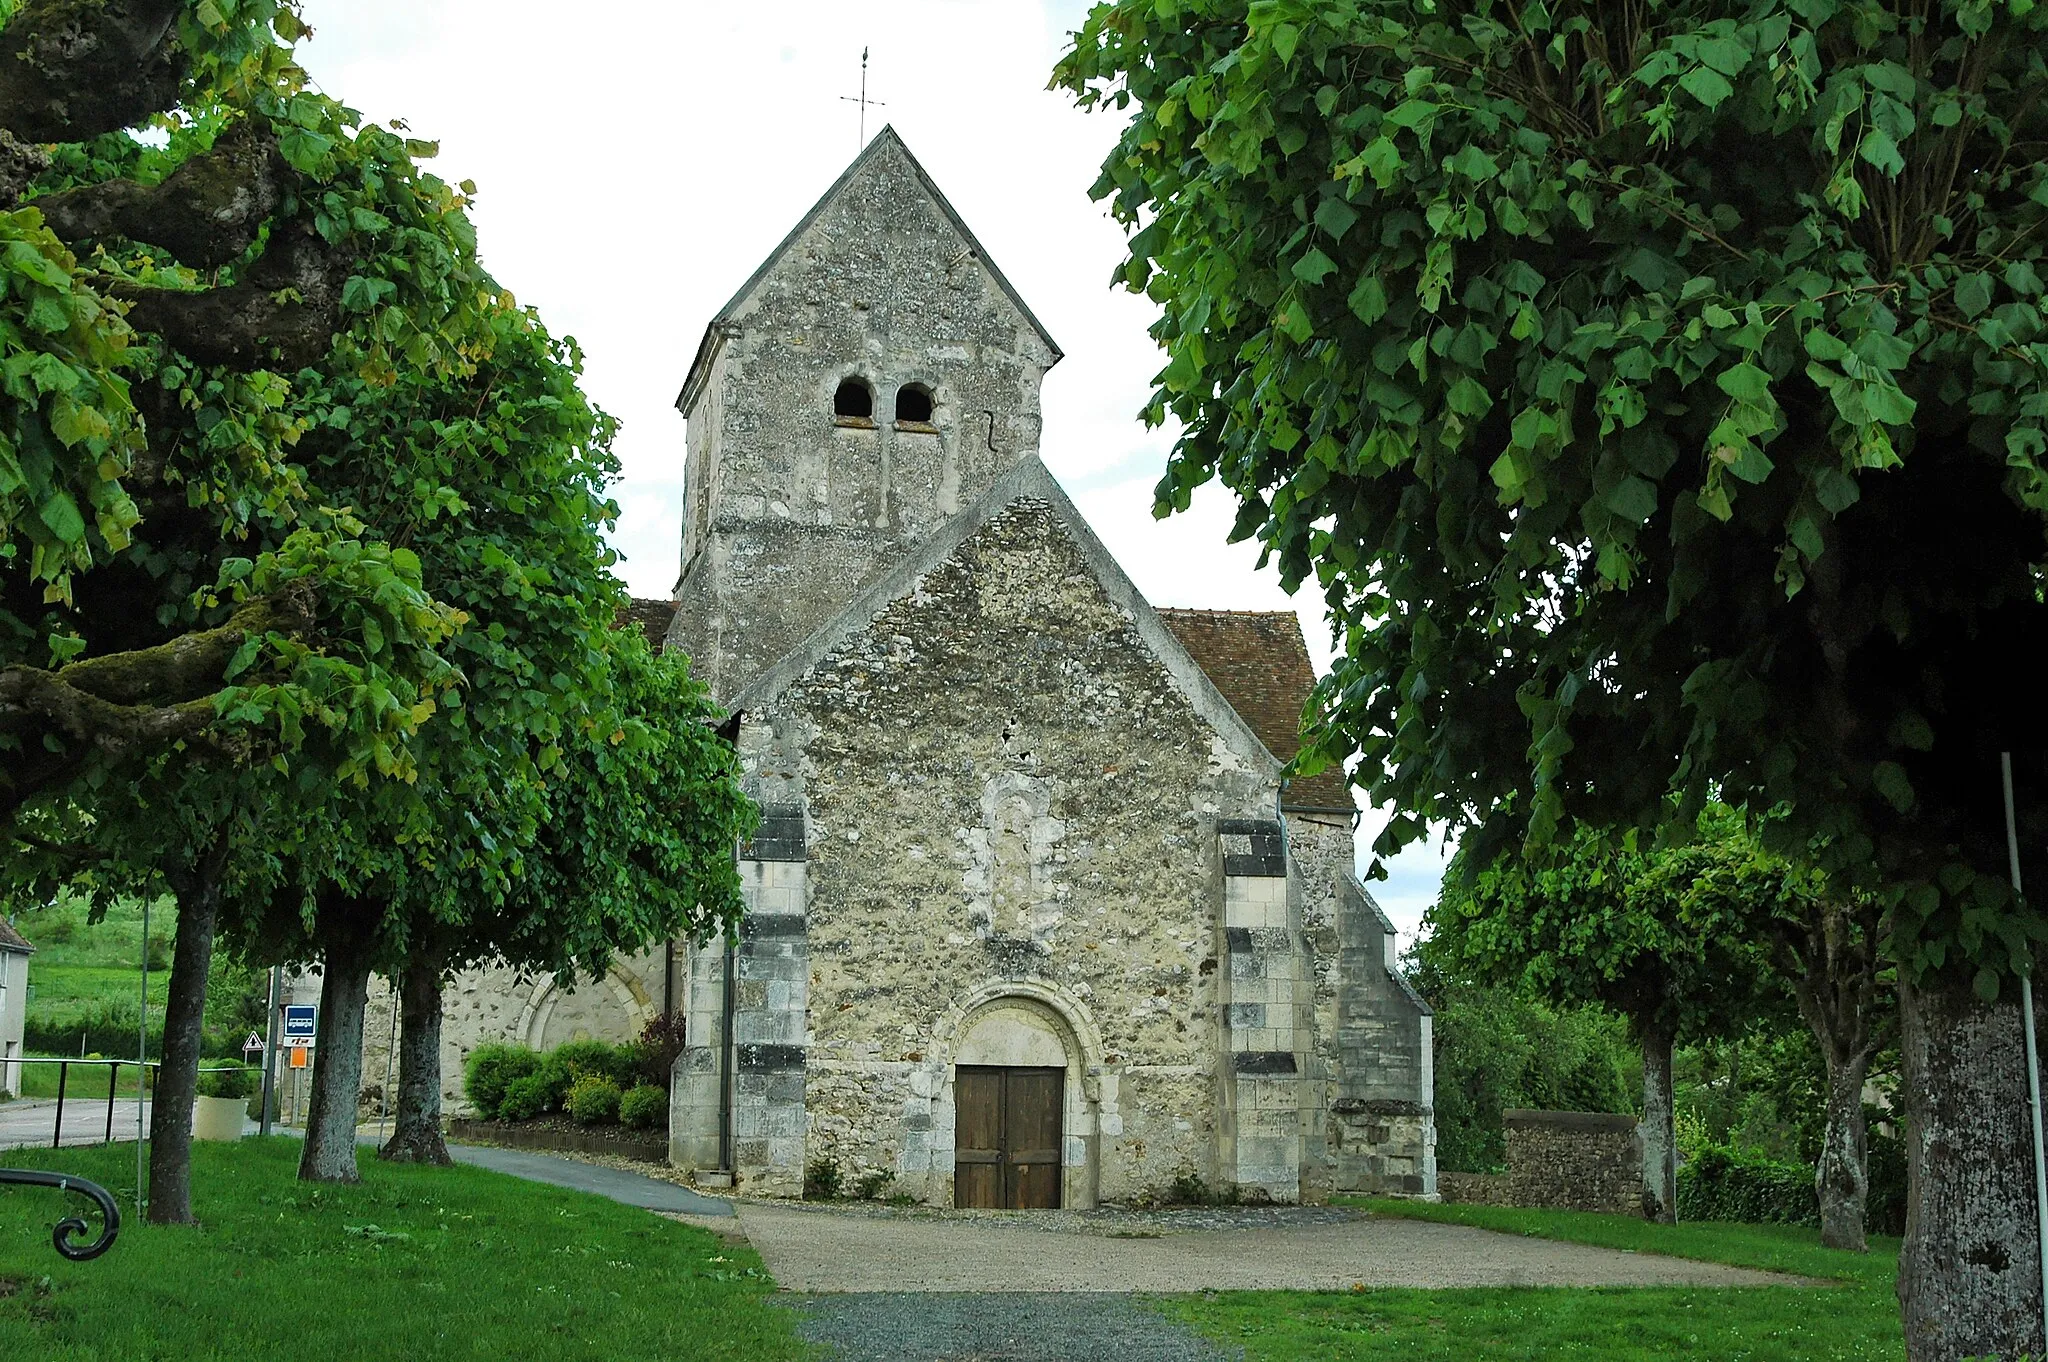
(863,100)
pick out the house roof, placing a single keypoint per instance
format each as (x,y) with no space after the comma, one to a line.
(11,940)
(721,324)
(1258,659)
(652,616)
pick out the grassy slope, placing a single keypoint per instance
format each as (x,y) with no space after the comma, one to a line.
(80,967)
(1854,1321)
(448,1263)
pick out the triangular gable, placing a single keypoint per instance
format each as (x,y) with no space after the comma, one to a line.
(1030,478)
(721,325)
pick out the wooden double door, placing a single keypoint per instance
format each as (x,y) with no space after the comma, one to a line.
(1006,1152)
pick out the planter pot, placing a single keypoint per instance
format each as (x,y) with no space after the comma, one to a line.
(219,1118)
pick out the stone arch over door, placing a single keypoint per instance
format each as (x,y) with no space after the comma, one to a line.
(1028,1024)
(613,1008)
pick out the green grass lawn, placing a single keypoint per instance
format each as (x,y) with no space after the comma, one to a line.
(447,1263)
(1854,1319)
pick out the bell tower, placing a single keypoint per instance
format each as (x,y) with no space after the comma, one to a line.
(874,376)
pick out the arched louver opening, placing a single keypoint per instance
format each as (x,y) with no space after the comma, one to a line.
(914,405)
(854,401)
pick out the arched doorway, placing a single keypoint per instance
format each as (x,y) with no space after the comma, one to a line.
(1022,1120)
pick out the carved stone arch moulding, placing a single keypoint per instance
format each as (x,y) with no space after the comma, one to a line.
(627,992)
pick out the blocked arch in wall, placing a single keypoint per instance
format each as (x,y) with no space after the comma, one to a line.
(628,997)
(1018,1022)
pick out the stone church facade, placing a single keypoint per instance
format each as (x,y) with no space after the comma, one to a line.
(1034,915)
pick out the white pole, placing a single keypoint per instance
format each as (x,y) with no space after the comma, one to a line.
(2012,851)
(141,1056)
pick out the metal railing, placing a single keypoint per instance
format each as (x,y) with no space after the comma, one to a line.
(114,1096)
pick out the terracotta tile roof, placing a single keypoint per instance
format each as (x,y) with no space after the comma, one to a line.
(653,618)
(1259,662)
(11,940)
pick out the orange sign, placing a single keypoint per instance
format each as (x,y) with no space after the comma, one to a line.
(299,1053)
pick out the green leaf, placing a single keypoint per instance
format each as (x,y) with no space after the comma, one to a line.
(1473,164)
(1889,779)
(1707,86)
(1335,217)
(1634,499)
(1314,267)
(1878,148)
(1745,382)
(1368,300)
(1973,294)
(60,514)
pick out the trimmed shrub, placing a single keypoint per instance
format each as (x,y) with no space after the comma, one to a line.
(490,1072)
(525,1098)
(1727,1184)
(594,1100)
(644,1107)
(237,1081)
(565,1064)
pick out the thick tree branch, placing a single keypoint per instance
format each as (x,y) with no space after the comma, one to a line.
(206,213)
(73,69)
(126,703)
(285,310)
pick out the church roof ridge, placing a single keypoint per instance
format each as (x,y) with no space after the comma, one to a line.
(1028,478)
(888,136)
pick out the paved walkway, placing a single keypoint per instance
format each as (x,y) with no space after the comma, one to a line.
(29,1124)
(629,1189)
(823,1250)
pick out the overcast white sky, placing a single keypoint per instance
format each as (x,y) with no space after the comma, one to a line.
(636,159)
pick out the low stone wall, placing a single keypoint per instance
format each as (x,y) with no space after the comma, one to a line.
(1560,1160)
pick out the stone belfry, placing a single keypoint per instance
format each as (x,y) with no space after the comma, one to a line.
(874,376)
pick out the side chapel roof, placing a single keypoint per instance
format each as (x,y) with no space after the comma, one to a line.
(1259,660)
(888,137)
(11,940)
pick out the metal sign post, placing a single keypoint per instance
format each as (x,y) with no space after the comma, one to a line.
(2012,848)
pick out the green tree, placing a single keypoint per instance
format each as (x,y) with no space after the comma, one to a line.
(1657,395)
(1597,927)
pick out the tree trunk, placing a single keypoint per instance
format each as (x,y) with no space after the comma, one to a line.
(330,1152)
(1970,1275)
(417,1136)
(1842,1177)
(1659,1129)
(177,1080)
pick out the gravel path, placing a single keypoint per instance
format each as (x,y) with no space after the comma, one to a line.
(827,1250)
(1016,1327)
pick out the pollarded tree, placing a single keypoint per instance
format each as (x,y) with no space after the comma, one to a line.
(1823,948)
(636,846)
(1595,926)
(168,583)
(1657,394)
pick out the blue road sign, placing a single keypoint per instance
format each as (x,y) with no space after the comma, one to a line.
(299,1023)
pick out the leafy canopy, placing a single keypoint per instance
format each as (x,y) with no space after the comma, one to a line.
(1657,393)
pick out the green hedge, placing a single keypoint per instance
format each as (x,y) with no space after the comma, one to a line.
(1729,1184)
(111,1033)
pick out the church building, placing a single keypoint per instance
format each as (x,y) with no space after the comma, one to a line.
(1035,916)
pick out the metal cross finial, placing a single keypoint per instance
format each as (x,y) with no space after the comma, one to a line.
(863,101)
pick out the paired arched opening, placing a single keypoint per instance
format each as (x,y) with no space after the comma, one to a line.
(853,404)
